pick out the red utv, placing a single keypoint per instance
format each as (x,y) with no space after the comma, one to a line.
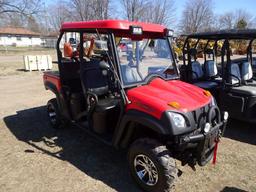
(133,99)
(231,82)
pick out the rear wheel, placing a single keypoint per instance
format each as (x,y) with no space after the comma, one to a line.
(54,114)
(151,165)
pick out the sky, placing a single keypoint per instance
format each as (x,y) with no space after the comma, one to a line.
(222,6)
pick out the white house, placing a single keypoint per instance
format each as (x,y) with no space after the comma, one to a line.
(20,37)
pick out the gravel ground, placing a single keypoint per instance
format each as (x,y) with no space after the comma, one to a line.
(34,157)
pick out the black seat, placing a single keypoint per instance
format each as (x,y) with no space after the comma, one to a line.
(92,78)
(245,90)
(206,84)
(245,75)
(198,75)
(95,84)
(211,71)
(130,74)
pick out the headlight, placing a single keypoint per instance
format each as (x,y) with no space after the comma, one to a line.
(178,120)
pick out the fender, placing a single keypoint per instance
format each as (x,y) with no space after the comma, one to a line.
(60,98)
(126,127)
(50,86)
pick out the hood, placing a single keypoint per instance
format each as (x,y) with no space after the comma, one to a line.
(155,97)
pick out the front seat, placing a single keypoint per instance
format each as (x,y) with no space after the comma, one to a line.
(130,74)
(246,72)
(243,76)
(235,74)
(95,87)
(197,70)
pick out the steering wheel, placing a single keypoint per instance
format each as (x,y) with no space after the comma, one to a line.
(151,77)
(236,84)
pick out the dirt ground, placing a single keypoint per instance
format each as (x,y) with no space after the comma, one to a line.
(34,157)
(11,63)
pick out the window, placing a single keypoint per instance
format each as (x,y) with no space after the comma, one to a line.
(144,59)
(93,45)
(18,38)
(69,43)
(238,50)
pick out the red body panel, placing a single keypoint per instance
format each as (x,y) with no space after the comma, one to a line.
(153,98)
(52,78)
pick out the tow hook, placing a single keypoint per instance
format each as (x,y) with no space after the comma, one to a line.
(217,140)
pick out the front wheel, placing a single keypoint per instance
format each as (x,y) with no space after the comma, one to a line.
(151,165)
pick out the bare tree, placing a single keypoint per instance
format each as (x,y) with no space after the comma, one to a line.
(100,8)
(56,14)
(135,10)
(82,9)
(89,9)
(226,21)
(20,13)
(161,12)
(156,11)
(13,20)
(32,24)
(197,16)
(231,20)
(24,7)
(243,15)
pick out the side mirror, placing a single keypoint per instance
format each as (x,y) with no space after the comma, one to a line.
(104,65)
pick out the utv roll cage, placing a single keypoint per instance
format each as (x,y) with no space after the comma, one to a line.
(232,83)
(224,35)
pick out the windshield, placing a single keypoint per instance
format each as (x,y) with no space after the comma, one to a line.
(141,60)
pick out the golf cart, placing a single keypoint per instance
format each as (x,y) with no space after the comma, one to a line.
(231,82)
(133,99)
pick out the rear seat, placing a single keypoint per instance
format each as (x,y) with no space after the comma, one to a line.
(198,74)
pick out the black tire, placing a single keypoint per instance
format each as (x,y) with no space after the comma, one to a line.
(54,114)
(160,156)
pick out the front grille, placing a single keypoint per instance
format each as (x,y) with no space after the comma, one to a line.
(200,116)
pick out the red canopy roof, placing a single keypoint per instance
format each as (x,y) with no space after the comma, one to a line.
(117,26)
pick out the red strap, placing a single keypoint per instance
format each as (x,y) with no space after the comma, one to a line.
(215,153)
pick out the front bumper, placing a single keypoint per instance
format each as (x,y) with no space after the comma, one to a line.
(198,146)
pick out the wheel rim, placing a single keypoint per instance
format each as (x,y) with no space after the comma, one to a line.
(52,114)
(146,170)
